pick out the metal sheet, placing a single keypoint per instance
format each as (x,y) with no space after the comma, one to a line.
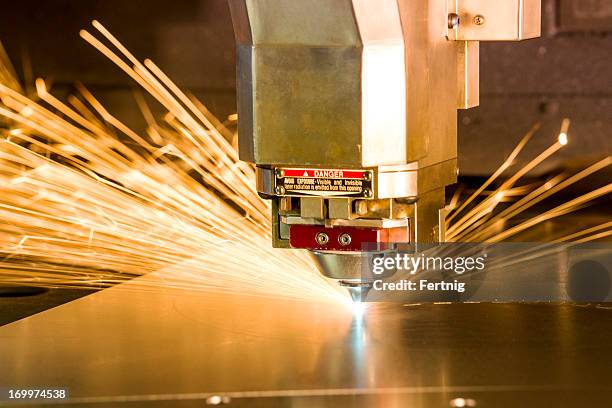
(176,348)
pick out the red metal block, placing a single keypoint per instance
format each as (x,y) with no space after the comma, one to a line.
(305,237)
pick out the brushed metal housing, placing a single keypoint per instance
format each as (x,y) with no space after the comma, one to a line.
(362,83)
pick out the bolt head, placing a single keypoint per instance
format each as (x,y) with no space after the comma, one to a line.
(344,239)
(279,190)
(280,173)
(453,20)
(479,19)
(322,238)
(367,192)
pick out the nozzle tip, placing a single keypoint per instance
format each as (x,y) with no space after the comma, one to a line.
(358,308)
(357,289)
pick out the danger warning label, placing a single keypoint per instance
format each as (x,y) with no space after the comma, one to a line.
(323,182)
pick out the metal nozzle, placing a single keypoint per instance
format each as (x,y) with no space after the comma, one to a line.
(353,270)
(357,289)
(340,265)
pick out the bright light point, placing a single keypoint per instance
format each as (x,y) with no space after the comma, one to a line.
(43,168)
(15,132)
(499,196)
(217,400)
(358,308)
(41,88)
(68,149)
(26,111)
(135,175)
(563,138)
(462,402)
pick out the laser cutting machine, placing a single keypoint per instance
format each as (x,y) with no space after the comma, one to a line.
(348,108)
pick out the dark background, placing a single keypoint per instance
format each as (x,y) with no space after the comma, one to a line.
(567,72)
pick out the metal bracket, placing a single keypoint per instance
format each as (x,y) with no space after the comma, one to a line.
(471,21)
(499,20)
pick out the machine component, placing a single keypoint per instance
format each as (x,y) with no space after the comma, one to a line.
(505,20)
(348,108)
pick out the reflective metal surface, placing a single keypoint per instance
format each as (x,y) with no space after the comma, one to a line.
(361,84)
(349,266)
(468,74)
(340,265)
(175,348)
(502,20)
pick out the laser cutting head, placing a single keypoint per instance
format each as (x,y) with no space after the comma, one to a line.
(348,108)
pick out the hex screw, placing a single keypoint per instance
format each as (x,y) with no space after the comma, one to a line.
(367,176)
(280,173)
(322,238)
(453,20)
(367,193)
(479,19)
(344,239)
(279,190)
